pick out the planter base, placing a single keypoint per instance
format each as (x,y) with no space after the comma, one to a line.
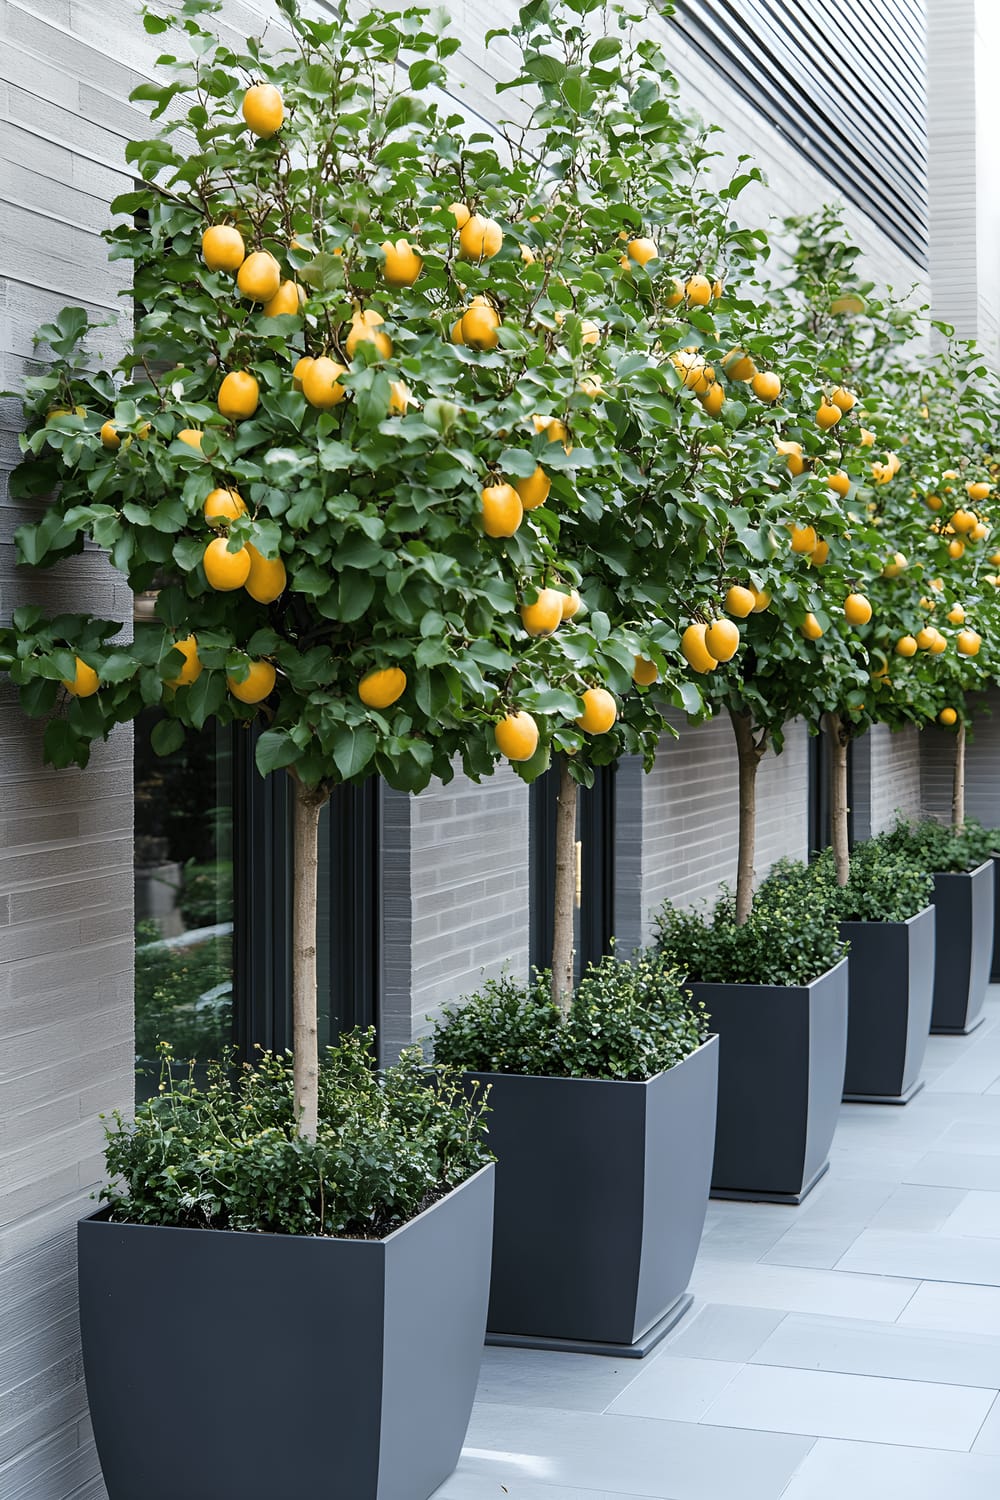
(638,1350)
(738,1195)
(959,1030)
(886,1098)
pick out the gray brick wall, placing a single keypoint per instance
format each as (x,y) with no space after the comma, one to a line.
(684,817)
(886,776)
(455,863)
(982,766)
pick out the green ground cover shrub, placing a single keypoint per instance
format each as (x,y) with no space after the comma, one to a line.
(227,1156)
(629,1019)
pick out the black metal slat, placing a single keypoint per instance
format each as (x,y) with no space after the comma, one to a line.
(787,114)
(784,113)
(820,37)
(871,143)
(799,120)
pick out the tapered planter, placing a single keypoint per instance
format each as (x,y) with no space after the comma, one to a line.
(890,990)
(995,963)
(782,1050)
(602,1188)
(231,1366)
(964,949)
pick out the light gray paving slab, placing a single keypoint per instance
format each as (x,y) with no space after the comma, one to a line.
(988,1440)
(973,1073)
(539,1377)
(863,1408)
(465,1485)
(877,1164)
(915,1208)
(796,1289)
(836,1201)
(978,1214)
(629,1455)
(927,1257)
(959,1169)
(954,1308)
(720,1331)
(894,1351)
(871,1471)
(675,1388)
(974,1137)
(821,1246)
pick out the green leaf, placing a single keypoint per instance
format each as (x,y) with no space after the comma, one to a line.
(275,749)
(63,747)
(167,736)
(607,46)
(39,696)
(353,750)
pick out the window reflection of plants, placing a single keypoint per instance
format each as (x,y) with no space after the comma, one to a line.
(207,895)
(183,995)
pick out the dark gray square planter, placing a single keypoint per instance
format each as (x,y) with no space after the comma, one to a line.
(228,1366)
(964,949)
(890,990)
(782,1050)
(602,1188)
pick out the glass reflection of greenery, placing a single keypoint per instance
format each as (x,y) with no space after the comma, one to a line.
(183,994)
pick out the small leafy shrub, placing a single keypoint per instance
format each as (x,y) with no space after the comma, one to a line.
(227,1156)
(628,1020)
(884,885)
(937,847)
(790,937)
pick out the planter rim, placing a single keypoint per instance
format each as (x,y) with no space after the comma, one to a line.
(890,922)
(949,874)
(740,984)
(100,1216)
(630,1083)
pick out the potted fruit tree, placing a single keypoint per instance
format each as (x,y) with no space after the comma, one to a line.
(344,451)
(589,1090)
(939,650)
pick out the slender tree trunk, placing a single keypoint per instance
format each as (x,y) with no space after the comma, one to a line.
(564,902)
(308,805)
(839,742)
(958,779)
(749,753)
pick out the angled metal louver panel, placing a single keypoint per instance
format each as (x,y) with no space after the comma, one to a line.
(845,85)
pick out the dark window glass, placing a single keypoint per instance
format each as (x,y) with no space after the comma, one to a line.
(348,953)
(183,899)
(595,832)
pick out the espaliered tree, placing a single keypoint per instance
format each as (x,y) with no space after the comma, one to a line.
(355,424)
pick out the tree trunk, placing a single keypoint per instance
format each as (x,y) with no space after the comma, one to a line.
(839,742)
(958,779)
(308,804)
(749,759)
(564,900)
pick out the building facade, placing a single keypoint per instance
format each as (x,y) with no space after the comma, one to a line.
(421,896)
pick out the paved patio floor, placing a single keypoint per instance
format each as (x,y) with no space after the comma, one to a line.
(849,1347)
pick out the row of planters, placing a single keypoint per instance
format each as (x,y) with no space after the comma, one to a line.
(603,1119)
